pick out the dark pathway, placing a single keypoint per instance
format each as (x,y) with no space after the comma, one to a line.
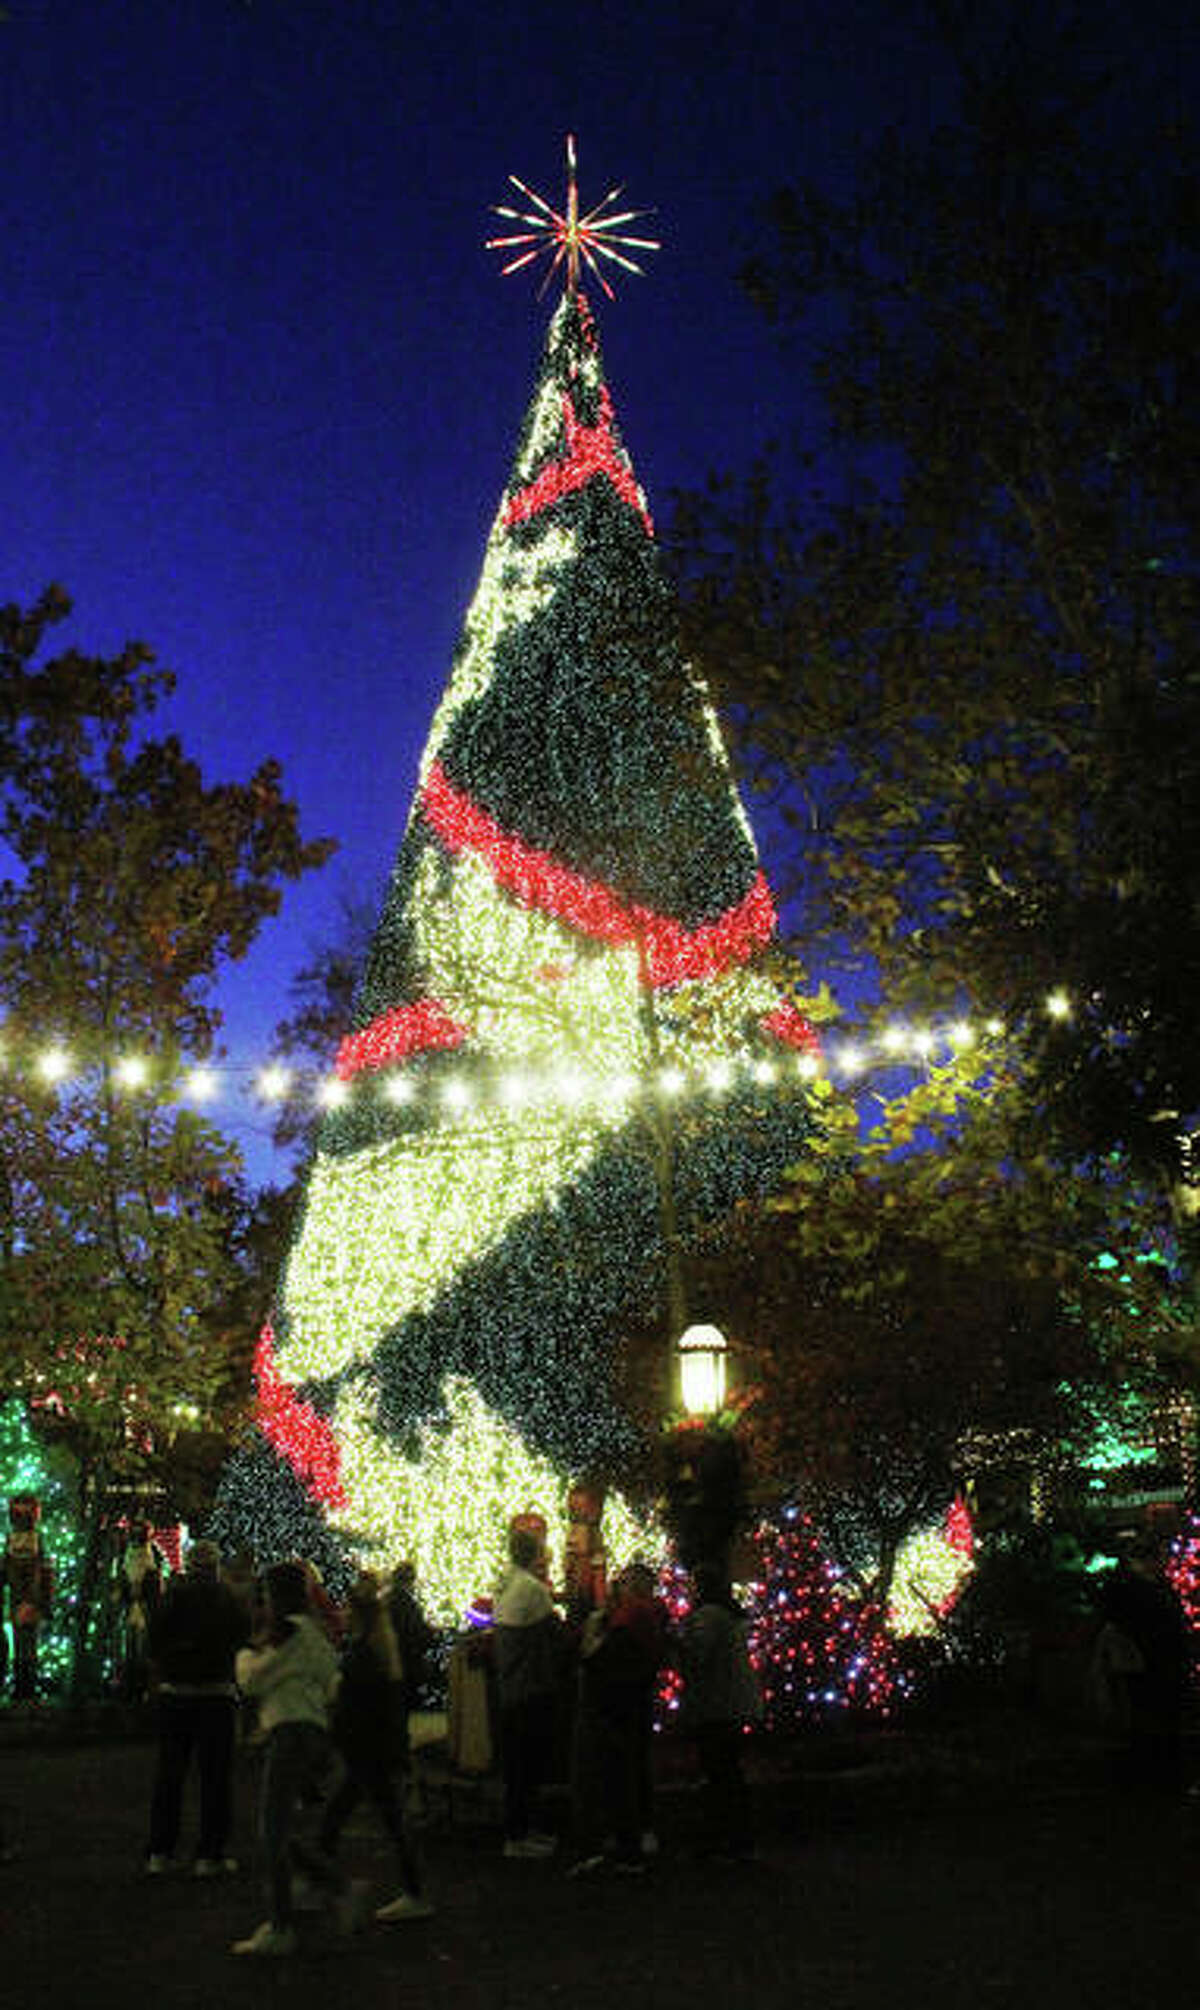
(1051,1892)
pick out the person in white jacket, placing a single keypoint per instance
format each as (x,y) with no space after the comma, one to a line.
(293,1679)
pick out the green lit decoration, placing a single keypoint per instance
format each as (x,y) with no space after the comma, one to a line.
(577,900)
(27,1466)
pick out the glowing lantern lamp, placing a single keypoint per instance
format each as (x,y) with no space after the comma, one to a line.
(702,1355)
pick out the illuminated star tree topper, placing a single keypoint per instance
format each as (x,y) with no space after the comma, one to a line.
(568,238)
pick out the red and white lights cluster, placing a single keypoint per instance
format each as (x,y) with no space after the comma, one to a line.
(568,239)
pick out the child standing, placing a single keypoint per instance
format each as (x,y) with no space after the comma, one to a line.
(368,1730)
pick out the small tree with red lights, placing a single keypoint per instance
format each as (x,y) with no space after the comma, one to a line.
(818,1650)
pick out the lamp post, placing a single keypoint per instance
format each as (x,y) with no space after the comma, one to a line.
(697,1364)
(702,1352)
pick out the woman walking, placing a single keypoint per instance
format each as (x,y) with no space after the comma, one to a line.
(368,1730)
(292,1676)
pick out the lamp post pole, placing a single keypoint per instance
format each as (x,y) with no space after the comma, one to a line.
(696,1355)
(661,1132)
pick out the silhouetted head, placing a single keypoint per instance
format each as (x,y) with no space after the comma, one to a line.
(524,1548)
(363,1595)
(287,1589)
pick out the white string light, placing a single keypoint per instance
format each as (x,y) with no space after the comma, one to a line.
(898,1044)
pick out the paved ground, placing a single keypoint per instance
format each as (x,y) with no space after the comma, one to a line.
(948,1887)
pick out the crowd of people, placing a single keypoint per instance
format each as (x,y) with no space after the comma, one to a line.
(567,1685)
(326,1693)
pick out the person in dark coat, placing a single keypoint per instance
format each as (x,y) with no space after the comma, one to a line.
(620,1652)
(720,1698)
(415,1640)
(195,1633)
(528,1648)
(1148,1644)
(366,1727)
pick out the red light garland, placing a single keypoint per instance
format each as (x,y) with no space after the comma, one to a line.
(673,953)
(815,1649)
(789,1025)
(298,1433)
(1183,1575)
(396,1035)
(591,451)
(960,1528)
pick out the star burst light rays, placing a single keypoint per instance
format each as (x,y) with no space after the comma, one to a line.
(569,238)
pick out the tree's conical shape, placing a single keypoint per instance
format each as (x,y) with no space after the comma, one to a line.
(577,905)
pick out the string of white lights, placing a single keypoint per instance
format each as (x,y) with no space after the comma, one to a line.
(846,1059)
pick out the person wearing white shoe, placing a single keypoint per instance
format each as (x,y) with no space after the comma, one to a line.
(195,1631)
(293,1678)
(618,1661)
(408,1906)
(369,1723)
(268,1939)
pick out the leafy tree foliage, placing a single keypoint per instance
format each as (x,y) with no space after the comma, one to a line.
(908,1318)
(134,879)
(973,671)
(962,673)
(127,1243)
(322,993)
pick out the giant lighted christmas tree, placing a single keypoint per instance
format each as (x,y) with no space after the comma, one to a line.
(577,909)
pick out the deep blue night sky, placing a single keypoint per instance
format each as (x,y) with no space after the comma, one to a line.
(262,383)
